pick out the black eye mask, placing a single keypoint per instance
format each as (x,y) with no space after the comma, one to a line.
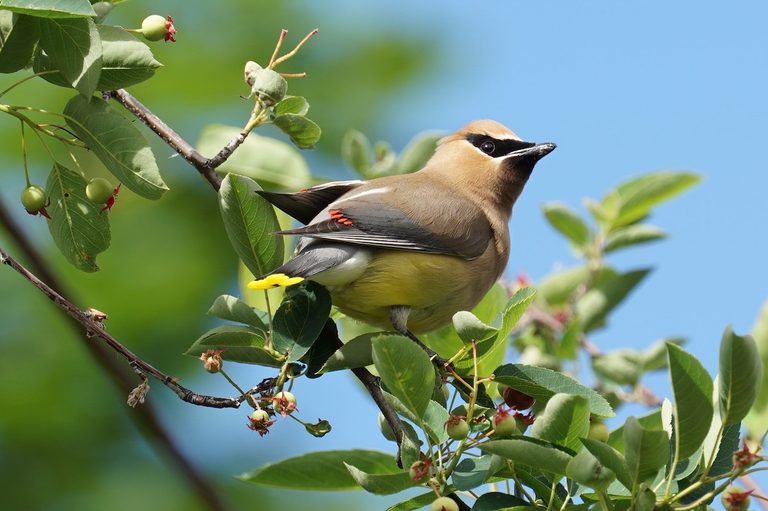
(496,148)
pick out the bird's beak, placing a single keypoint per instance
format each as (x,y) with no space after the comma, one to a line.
(536,152)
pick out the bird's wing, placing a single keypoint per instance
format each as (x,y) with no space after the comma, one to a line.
(435,221)
(306,204)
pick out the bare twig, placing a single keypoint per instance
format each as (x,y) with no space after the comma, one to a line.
(95,328)
(145,415)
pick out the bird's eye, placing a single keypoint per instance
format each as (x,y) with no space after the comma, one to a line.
(488,147)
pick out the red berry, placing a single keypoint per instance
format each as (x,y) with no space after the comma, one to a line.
(516,399)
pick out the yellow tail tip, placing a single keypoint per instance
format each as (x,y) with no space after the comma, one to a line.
(274,280)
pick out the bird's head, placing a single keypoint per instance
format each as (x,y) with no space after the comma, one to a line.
(487,157)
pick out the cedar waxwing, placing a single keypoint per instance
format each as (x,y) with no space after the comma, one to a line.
(410,251)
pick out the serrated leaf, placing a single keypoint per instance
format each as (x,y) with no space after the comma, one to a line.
(758,415)
(610,458)
(418,151)
(528,451)
(356,151)
(266,160)
(381,484)
(250,222)
(637,196)
(606,295)
(300,319)
(296,105)
(632,235)
(564,421)
(692,388)
(74,47)
(51,8)
(357,352)
(740,375)
(568,223)
(125,60)
(18,35)
(239,344)
(645,451)
(302,131)
(231,308)
(516,307)
(325,471)
(117,143)
(543,383)
(470,328)
(433,420)
(405,370)
(473,472)
(77,225)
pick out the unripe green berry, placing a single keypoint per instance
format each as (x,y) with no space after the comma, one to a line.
(33,198)
(267,84)
(505,424)
(735,499)
(99,190)
(154,27)
(260,416)
(444,504)
(585,469)
(598,431)
(457,430)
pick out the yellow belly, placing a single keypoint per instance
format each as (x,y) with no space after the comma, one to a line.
(434,286)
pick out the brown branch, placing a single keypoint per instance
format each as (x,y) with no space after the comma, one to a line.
(145,415)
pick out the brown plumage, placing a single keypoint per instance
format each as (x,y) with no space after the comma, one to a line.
(410,251)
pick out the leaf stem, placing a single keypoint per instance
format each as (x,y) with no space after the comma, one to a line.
(24,154)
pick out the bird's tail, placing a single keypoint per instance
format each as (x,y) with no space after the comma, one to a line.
(312,260)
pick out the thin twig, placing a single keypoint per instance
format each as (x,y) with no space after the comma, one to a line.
(144,415)
(95,328)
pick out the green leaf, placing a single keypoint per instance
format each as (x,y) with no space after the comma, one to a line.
(645,451)
(240,344)
(587,470)
(632,235)
(568,223)
(250,222)
(610,458)
(433,421)
(418,502)
(357,352)
(606,295)
(405,370)
(125,60)
(300,318)
(498,501)
(74,48)
(622,367)
(692,387)
(543,383)
(233,309)
(528,451)
(381,484)
(564,420)
(296,105)
(651,420)
(51,8)
(473,472)
(516,307)
(418,151)
(470,328)
(740,375)
(758,415)
(266,160)
(303,132)
(117,143)
(637,196)
(18,36)
(655,357)
(324,346)
(557,288)
(77,225)
(324,470)
(356,151)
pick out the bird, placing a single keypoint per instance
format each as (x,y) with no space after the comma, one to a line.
(407,252)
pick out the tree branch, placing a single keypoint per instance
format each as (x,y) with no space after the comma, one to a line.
(145,415)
